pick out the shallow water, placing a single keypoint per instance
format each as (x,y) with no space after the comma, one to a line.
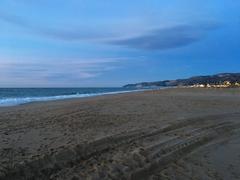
(16,96)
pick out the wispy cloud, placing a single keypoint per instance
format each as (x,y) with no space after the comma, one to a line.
(167,38)
(156,39)
(66,33)
(30,73)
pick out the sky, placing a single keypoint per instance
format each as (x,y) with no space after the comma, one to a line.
(92,43)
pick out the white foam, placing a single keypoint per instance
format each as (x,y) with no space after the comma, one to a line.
(23,100)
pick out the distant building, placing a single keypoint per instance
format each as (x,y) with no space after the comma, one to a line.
(225,84)
(208,86)
(198,86)
(237,84)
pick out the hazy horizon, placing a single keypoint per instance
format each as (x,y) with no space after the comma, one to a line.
(95,44)
(70,87)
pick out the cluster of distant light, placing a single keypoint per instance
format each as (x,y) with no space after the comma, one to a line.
(225,84)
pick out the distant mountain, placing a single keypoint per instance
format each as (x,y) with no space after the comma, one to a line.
(214,79)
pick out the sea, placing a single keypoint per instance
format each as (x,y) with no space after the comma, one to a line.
(17,96)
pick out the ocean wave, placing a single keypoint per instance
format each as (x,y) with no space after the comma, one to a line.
(24,100)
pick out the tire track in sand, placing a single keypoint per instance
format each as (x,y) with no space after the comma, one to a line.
(134,155)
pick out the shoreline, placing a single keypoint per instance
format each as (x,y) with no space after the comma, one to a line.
(29,100)
(85,96)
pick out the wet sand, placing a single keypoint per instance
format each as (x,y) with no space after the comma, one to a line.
(180,133)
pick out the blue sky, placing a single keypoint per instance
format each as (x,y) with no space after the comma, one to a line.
(79,43)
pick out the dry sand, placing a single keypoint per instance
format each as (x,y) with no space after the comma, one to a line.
(180,133)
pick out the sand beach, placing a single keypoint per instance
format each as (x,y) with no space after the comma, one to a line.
(179,133)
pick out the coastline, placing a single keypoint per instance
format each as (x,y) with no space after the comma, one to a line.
(118,130)
(25,100)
